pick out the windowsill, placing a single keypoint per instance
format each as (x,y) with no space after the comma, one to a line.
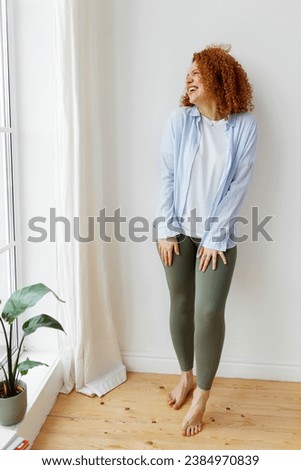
(43,385)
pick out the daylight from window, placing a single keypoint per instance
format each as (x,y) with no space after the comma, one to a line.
(7,231)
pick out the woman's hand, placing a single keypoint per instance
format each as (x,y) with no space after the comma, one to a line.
(166,247)
(206,255)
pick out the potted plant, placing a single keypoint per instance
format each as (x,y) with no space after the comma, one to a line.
(13,391)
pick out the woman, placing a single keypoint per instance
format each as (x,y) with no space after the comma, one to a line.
(207,158)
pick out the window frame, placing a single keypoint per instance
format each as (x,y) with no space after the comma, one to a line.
(7,134)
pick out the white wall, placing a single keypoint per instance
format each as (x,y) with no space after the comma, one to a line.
(150,44)
(154,42)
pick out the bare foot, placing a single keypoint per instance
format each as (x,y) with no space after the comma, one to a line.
(177,397)
(192,423)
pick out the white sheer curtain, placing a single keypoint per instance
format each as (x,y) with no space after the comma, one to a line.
(90,353)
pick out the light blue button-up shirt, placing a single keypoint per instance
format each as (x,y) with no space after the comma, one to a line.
(179,146)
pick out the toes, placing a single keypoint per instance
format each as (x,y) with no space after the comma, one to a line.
(191,430)
(171,399)
(172,403)
(185,430)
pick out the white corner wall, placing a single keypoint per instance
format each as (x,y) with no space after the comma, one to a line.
(150,44)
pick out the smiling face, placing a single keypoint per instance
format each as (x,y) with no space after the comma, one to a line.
(194,86)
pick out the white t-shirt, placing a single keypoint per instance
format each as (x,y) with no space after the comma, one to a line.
(205,176)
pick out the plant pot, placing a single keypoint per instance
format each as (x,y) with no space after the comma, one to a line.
(13,409)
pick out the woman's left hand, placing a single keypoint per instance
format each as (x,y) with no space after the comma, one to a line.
(207,255)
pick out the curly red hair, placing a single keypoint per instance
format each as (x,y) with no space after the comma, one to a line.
(224,79)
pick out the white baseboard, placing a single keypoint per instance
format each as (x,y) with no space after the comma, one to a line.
(278,372)
(136,362)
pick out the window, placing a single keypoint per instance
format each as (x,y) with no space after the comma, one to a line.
(7,222)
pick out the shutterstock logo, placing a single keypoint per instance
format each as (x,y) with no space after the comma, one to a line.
(139,229)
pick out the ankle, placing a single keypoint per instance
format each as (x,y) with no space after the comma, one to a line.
(200,394)
(187,376)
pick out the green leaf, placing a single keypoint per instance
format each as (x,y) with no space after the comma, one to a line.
(24,298)
(23,367)
(39,321)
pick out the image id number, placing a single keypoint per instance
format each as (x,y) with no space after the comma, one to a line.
(221,460)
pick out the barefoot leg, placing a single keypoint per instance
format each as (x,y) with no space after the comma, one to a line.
(177,397)
(193,421)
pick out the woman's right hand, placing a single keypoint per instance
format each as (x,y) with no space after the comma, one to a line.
(166,247)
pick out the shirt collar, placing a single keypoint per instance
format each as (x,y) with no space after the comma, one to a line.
(194,111)
(231,121)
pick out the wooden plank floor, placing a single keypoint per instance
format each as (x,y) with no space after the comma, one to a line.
(241,414)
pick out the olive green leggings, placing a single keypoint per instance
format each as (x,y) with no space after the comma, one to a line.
(197,304)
